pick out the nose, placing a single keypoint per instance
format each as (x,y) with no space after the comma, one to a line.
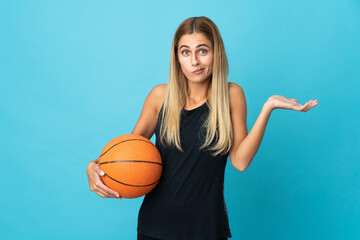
(194,60)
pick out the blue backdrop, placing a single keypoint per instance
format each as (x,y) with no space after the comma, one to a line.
(75,74)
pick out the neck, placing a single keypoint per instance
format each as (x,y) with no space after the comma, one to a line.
(198,91)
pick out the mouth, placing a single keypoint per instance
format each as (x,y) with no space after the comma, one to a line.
(198,71)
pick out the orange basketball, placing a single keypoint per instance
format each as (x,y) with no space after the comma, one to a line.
(132,165)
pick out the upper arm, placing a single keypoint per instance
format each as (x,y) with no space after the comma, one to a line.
(146,124)
(238,113)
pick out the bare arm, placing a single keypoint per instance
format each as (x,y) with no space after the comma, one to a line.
(247,149)
(245,146)
(146,124)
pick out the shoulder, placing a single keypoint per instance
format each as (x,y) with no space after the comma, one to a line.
(236,95)
(158,93)
(234,87)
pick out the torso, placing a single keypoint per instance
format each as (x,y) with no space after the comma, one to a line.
(188,201)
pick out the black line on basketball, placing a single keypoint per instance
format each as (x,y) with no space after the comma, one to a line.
(135,139)
(137,161)
(131,184)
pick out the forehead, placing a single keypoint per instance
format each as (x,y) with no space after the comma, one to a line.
(194,39)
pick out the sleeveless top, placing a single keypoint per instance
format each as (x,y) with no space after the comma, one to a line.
(188,201)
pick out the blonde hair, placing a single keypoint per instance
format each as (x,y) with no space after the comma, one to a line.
(218,124)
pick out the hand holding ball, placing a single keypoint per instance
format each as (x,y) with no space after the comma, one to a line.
(132,165)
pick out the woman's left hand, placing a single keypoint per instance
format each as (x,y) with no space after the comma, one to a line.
(277,101)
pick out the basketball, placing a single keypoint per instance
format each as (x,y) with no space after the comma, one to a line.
(132,165)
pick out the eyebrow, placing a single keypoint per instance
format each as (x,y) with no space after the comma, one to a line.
(200,45)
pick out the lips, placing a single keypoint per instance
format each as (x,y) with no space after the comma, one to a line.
(198,71)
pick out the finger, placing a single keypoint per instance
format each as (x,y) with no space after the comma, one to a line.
(98,170)
(111,192)
(315,103)
(299,107)
(98,186)
(97,182)
(105,189)
(101,195)
(308,105)
(311,104)
(100,190)
(302,107)
(305,108)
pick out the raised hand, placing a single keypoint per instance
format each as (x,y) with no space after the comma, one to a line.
(277,101)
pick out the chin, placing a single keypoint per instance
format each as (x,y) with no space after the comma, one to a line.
(198,80)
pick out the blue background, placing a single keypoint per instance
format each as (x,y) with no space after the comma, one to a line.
(75,74)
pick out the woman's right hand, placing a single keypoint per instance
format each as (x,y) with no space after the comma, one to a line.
(96,185)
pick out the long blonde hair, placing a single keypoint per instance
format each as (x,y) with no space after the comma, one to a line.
(218,124)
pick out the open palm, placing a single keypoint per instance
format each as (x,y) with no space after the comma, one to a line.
(277,101)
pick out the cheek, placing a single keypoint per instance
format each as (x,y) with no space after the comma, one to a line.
(184,65)
(209,63)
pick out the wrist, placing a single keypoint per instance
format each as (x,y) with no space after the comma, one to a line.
(268,106)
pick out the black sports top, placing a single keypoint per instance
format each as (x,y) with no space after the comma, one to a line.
(188,202)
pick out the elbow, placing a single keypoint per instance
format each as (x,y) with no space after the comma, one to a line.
(242,169)
(238,167)
(240,163)
(242,166)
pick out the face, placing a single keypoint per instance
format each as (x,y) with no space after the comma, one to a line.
(195,52)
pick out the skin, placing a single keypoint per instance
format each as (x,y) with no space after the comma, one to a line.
(192,57)
(245,145)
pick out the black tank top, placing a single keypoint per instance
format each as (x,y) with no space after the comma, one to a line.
(188,202)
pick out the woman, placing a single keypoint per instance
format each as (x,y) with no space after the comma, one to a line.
(199,119)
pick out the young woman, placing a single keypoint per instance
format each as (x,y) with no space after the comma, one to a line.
(199,119)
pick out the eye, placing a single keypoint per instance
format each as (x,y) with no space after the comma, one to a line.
(184,51)
(205,51)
